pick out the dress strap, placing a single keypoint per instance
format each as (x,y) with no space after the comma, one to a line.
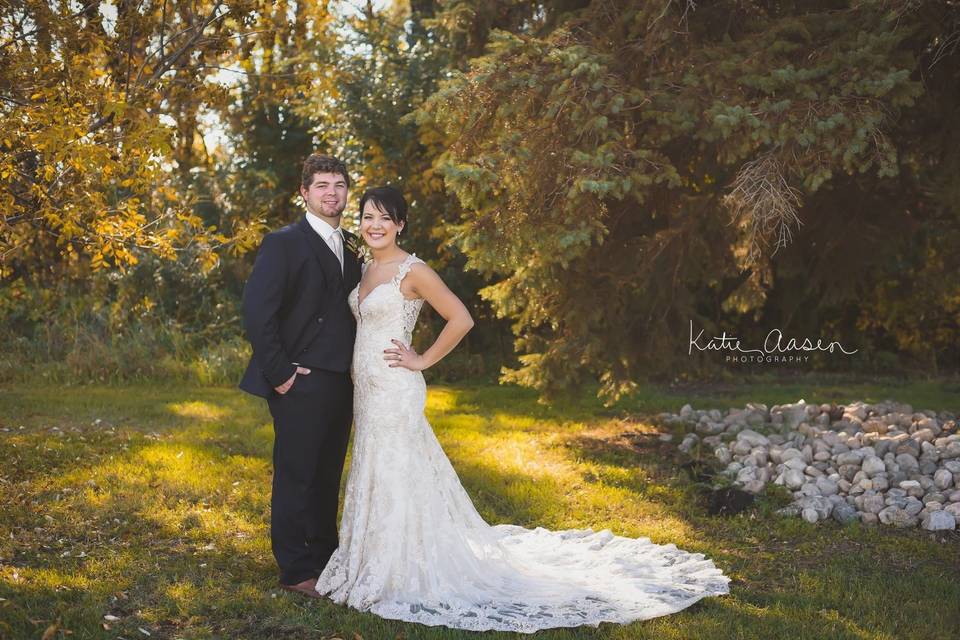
(405,266)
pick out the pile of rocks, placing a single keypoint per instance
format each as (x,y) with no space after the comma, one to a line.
(880,462)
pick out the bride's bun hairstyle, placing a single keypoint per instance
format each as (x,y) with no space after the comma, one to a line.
(388,199)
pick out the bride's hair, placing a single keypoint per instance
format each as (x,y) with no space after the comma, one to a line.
(389,199)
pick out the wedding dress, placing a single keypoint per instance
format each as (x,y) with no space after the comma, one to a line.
(414,548)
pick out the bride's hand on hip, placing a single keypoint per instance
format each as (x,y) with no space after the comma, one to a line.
(403,356)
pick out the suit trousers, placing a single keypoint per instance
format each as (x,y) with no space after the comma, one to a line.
(311,426)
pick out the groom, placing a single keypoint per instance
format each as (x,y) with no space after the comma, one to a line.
(296,317)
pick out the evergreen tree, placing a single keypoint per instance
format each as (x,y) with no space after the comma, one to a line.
(640,166)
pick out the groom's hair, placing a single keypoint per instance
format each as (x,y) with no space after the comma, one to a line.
(389,199)
(319,163)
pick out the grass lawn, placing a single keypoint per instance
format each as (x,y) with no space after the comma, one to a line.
(150,504)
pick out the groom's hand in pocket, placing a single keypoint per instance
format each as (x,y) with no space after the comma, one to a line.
(282,389)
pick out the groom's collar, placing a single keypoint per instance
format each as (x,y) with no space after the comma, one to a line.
(323,228)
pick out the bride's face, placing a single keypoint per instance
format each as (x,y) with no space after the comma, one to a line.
(378,230)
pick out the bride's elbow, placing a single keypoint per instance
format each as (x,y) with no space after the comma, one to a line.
(467,322)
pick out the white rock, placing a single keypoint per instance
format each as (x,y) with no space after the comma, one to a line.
(810,489)
(873,504)
(873,465)
(741,447)
(952,450)
(939,521)
(849,458)
(746,475)
(897,517)
(788,454)
(844,513)
(907,462)
(942,479)
(793,414)
(795,463)
(827,486)
(753,438)
(793,478)
(913,506)
(953,466)
(689,442)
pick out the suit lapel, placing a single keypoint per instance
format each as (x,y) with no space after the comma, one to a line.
(351,263)
(323,252)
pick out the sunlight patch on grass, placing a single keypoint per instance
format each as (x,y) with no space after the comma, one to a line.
(181,468)
(602,495)
(208,527)
(49,579)
(185,596)
(512,452)
(465,423)
(445,399)
(502,420)
(198,410)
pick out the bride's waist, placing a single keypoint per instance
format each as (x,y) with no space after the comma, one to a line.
(366,344)
(393,382)
(370,360)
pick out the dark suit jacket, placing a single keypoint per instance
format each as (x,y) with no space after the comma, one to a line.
(295,307)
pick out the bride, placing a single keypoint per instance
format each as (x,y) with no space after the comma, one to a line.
(412,545)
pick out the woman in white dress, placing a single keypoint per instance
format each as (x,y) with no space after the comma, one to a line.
(412,545)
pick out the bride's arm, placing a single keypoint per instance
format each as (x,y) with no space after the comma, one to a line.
(425,283)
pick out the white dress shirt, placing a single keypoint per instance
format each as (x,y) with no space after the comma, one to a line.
(332,236)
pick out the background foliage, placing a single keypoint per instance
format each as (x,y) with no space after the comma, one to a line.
(591,176)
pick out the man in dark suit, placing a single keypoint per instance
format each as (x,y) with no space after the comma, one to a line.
(296,317)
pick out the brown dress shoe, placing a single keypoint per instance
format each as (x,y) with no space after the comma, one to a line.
(307,588)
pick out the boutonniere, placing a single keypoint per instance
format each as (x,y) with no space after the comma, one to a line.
(353,244)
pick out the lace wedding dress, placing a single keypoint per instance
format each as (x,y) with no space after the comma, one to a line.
(414,548)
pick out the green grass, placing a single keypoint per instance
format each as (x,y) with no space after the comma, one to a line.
(151,502)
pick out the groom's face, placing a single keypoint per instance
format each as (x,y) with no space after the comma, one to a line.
(327,195)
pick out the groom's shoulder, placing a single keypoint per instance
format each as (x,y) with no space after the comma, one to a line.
(283,235)
(287,231)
